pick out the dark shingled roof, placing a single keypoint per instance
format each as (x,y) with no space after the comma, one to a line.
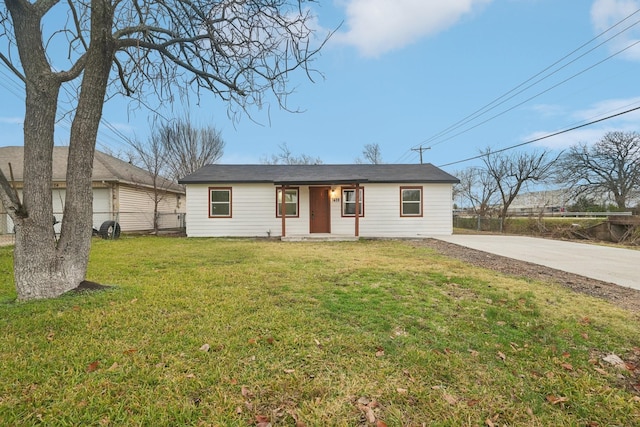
(105,168)
(319,174)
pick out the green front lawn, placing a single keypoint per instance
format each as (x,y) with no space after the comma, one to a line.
(232,332)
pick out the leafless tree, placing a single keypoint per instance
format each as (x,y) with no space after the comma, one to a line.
(151,157)
(239,50)
(187,148)
(610,167)
(286,157)
(372,154)
(479,188)
(511,172)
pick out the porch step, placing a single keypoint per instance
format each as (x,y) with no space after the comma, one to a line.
(320,238)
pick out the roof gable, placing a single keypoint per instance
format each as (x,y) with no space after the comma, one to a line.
(319,174)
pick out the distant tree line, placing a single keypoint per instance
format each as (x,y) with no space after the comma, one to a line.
(604,176)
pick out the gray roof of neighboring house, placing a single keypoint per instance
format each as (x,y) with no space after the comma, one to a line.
(105,168)
(319,174)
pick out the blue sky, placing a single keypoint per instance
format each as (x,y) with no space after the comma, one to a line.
(399,73)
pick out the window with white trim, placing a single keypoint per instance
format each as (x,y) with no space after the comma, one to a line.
(291,204)
(349,202)
(219,202)
(410,201)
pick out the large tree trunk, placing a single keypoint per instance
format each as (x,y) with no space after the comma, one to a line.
(43,267)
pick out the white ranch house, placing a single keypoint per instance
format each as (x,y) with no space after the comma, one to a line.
(320,201)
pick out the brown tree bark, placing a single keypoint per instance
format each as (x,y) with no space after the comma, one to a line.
(45,267)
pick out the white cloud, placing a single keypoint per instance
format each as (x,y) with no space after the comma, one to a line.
(591,134)
(605,13)
(378,26)
(12,120)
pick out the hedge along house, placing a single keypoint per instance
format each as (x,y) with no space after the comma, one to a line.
(360,200)
(122,192)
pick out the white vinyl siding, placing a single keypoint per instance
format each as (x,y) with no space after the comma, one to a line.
(253,208)
(254,213)
(136,209)
(382,213)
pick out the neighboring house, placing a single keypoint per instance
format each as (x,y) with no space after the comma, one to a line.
(122,192)
(392,200)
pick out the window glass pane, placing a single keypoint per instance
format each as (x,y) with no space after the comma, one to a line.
(411,195)
(291,209)
(220,196)
(290,200)
(220,209)
(291,196)
(350,209)
(411,209)
(349,196)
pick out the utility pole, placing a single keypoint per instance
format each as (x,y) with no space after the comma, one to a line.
(421,149)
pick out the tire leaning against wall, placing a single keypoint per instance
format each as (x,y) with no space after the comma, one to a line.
(109,230)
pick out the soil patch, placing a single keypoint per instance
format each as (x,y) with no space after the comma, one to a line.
(88,286)
(626,298)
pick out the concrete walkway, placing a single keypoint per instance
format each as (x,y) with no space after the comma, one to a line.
(613,265)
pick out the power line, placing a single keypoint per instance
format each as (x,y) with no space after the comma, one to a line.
(479,156)
(488,107)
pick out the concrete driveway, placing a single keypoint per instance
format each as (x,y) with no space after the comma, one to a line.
(614,265)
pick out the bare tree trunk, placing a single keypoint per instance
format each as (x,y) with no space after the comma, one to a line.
(43,267)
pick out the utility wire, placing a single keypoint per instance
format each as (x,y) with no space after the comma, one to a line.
(486,108)
(490,105)
(479,156)
(540,93)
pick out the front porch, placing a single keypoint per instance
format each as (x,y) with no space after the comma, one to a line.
(320,237)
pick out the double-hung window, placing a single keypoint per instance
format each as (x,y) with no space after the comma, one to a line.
(349,202)
(410,201)
(219,202)
(291,204)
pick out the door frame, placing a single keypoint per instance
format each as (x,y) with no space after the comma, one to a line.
(314,192)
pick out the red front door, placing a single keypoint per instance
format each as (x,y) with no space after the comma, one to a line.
(319,205)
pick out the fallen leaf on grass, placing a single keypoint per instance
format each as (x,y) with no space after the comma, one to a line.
(262,421)
(93,366)
(130,351)
(190,376)
(50,336)
(402,390)
(113,367)
(379,351)
(600,371)
(381,424)
(474,353)
(615,360)
(205,347)
(502,356)
(364,401)
(246,393)
(368,413)
(451,400)
(289,371)
(554,400)
(567,366)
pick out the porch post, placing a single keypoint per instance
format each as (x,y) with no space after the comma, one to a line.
(283,210)
(357,209)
